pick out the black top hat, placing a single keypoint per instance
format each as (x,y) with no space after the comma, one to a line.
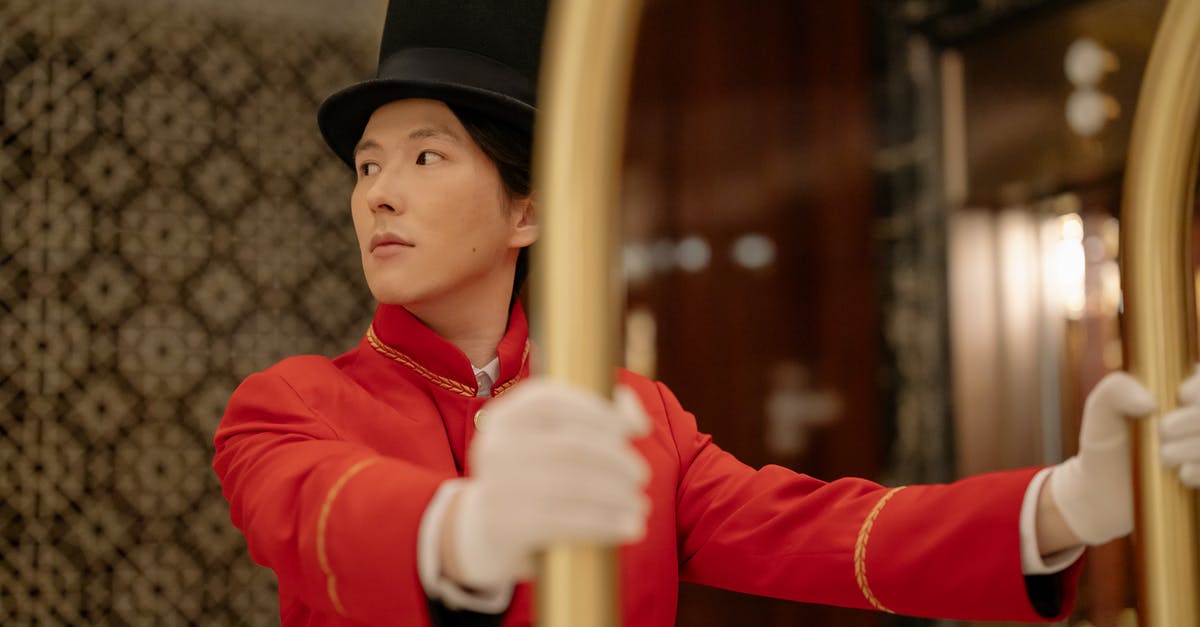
(477,54)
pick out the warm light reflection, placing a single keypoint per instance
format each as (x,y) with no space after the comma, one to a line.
(1070,265)
(641,338)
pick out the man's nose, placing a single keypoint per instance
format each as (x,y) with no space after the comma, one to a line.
(386,195)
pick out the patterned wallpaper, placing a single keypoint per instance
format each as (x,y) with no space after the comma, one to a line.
(170,221)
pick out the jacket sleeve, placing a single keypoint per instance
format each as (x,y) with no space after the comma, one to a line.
(336,521)
(947,551)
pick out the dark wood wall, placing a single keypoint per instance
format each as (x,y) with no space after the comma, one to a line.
(754,117)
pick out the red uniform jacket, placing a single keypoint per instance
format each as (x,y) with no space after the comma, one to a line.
(328,467)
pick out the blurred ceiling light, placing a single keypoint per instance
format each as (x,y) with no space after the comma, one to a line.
(753,251)
(1088,108)
(693,253)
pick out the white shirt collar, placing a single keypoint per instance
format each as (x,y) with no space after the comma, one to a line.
(492,371)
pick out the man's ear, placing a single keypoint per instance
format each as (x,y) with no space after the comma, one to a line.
(524,222)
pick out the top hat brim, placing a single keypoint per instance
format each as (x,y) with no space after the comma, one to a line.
(455,77)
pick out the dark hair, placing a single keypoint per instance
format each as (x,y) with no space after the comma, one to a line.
(511,149)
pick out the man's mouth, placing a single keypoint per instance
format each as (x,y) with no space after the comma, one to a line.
(389,241)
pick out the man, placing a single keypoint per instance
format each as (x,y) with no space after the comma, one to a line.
(380,493)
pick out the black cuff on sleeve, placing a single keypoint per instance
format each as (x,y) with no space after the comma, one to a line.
(1045,593)
(445,617)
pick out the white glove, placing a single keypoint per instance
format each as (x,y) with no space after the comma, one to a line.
(551,464)
(1179,432)
(1094,489)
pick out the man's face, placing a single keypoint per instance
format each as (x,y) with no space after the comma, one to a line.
(432,216)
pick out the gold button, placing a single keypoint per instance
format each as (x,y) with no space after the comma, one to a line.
(478,417)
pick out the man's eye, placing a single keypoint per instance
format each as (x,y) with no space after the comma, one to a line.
(426,157)
(369,168)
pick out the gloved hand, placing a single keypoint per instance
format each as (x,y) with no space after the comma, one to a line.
(1094,489)
(550,464)
(1180,432)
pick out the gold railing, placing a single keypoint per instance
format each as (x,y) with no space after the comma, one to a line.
(1160,312)
(586,66)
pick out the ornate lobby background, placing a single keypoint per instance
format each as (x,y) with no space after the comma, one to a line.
(170,222)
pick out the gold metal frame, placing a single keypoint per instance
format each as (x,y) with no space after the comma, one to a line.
(580,135)
(1160,311)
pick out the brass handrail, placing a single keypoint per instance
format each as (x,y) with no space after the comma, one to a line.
(586,65)
(1160,313)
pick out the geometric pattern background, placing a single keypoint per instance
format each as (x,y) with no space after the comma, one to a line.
(170,221)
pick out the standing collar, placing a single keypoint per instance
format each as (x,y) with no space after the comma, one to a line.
(398,335)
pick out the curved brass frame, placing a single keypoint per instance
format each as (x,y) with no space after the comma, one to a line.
(1160,312)
(580,135)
